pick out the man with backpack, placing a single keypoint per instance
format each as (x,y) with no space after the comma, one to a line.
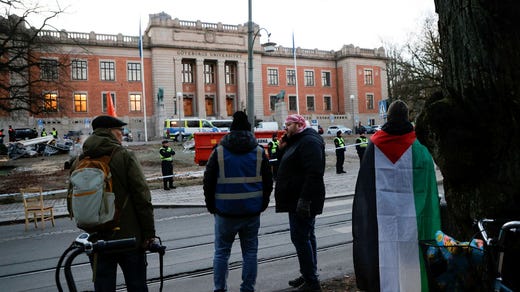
(133,214)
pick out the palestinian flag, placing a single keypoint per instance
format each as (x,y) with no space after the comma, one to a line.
(396,204)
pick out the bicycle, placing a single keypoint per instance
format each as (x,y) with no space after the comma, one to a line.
(82,244)
(495,250)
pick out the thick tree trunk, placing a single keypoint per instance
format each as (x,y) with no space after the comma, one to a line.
(472,128)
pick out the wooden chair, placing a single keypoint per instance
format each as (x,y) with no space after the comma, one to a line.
(35,206)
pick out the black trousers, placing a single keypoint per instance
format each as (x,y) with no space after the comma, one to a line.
(360,153)
(167,169)
(340,159)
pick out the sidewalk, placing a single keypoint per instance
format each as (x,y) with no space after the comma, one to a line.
(191,196)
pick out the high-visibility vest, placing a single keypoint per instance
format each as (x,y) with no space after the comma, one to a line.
(341,141)
(274,146)
(363,141)
(169,150)
(239,189)
(54,133)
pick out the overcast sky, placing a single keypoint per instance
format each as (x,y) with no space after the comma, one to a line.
(321,24)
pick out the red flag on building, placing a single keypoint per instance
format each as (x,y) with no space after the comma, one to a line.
(111,110)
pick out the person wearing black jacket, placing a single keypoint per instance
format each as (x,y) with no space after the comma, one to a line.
(300,191)
(237,186)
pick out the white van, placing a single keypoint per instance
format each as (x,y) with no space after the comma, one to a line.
(267,126)
(183,128)
(223,125)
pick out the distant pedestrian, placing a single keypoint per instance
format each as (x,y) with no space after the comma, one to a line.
(11,133)
(54,133)
(272,149)
(396,205)
(167,154)
(2,136)
(43,133)
(237,187)
(339,143)
(300,192)
(361,145)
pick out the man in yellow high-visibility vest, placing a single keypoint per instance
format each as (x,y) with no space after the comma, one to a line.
(339,142)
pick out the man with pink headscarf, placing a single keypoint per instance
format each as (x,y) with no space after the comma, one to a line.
(300,191)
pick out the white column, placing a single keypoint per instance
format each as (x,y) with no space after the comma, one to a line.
(178,85)
(221,89)
(241,90)
(200,100)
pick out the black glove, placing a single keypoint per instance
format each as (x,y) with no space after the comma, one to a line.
(303,208)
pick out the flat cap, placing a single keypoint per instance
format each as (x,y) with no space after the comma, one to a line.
(107,122)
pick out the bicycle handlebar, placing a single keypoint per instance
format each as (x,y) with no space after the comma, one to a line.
(482,230)
(102,245)
(512,226)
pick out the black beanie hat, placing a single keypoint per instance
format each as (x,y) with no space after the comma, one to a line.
(107,122)
(240,122)
(398,112)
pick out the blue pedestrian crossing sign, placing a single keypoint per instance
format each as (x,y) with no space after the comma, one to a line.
(383,105)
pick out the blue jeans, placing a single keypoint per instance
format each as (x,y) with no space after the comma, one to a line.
(225,231)
(304,240)
(132,263)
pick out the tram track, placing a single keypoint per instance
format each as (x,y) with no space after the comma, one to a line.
(278,229)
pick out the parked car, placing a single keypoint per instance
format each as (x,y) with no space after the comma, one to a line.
(333,129)
(376,127)
(127,135)
(223,125)
(74,135)
(25,133)
(267,126)
(369,130)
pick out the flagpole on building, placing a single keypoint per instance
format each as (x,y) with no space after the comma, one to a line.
(295,75)
(141,55)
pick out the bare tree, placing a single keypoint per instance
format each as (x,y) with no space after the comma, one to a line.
(472,126)
(414,70)
(25,66)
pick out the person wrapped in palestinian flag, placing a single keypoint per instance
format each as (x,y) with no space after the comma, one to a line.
(396,205)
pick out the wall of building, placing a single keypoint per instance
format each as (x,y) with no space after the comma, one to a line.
(168,41)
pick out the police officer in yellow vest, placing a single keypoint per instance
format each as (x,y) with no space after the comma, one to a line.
(362,143)
(44,133)
(167,154)
(272,148)
(339,142)
(54,133)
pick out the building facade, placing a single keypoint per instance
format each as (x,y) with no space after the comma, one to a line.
(198,69)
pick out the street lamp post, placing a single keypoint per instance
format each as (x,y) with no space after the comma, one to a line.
(250,84)
(269,47)
(352,97)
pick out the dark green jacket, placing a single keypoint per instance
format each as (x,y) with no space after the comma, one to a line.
(128,181)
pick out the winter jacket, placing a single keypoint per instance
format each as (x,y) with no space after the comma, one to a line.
(300,172)
(239,148)
(128,182)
